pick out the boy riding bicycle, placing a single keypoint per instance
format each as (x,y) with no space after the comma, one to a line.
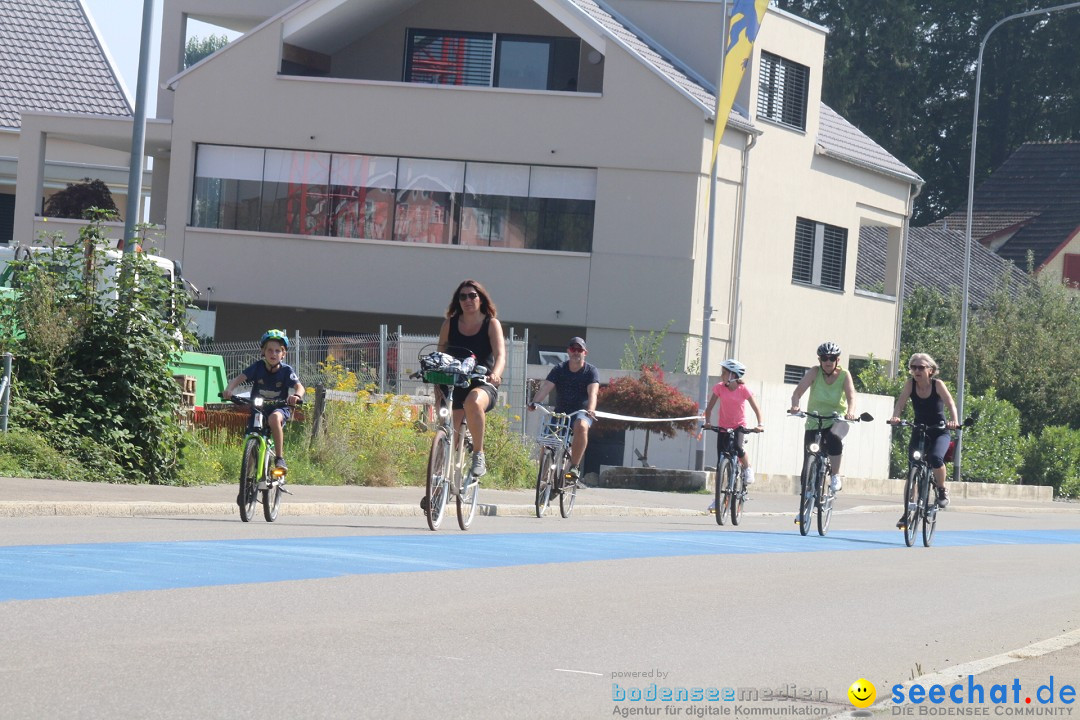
(732,395)
(576,384)
(272,379)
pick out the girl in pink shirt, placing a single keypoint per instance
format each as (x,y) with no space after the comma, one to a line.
(732,394)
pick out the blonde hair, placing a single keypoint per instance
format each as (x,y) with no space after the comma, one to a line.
(926,360)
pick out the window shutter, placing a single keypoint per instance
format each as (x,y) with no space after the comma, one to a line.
(833,256)
(802,269)
(1071,270)
(448,58)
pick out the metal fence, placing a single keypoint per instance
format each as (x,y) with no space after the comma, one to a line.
(381,363)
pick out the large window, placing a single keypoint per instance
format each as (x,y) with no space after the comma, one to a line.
(444,57)
(783,87)
(820,254)
(388,198)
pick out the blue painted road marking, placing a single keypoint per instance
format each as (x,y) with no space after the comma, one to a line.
(53,571)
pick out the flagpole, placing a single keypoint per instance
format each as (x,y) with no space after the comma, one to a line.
(707,310)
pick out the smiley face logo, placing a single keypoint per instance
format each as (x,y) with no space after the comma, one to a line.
(862,693)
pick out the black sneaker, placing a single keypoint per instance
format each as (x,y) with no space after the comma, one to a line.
(942,497)
(424,504)
(902,525)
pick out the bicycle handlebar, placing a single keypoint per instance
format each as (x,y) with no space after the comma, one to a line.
(968,422)
(262,403)
(556,415)
(864,417)
(741,430)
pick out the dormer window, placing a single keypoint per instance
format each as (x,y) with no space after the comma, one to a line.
(531,62)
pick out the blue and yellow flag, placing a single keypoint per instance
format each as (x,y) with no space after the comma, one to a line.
(742,30)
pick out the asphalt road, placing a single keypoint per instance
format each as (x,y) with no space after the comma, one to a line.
(374,616)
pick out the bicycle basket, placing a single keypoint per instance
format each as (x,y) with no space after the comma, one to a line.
(439,378)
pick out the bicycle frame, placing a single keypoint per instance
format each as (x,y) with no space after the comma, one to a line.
(555,438)
(816,491)
(256,477)
(731,494)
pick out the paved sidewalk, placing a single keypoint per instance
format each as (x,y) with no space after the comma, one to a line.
(29,497)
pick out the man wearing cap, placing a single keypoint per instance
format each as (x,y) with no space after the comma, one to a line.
(576,384)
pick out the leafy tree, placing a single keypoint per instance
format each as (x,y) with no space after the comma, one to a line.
(646,396)
(1052,458)
(198,47)
(77,199)
(904,72)
(93,368)
(1028,348)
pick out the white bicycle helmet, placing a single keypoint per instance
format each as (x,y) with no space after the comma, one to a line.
(736,367)
(828,348)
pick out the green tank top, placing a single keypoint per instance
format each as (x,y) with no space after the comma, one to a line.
(826,399)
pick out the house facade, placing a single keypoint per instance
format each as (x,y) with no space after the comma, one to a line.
(52,63)
(345,163)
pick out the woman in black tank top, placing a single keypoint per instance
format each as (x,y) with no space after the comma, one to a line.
(929,398)
(470,328)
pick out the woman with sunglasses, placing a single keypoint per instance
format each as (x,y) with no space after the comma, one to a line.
(470,327)
(929,397)
(831,391)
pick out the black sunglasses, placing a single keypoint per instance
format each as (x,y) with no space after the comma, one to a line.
(834,358)
(468,296)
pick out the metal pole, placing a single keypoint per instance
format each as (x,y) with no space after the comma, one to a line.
(5,396)
(382,359)
(962,363)
(138,132)
(707,310)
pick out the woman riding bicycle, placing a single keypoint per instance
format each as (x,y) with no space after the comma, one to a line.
(929,397)
(732,395)
(470,327)
(831,391)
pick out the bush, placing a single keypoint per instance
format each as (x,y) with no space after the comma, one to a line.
(1053,458)
(509,455)
(24,453)
(991,451)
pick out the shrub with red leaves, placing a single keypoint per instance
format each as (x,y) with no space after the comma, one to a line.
(646,396)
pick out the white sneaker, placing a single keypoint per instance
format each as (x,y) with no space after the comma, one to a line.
(747,476)
(836,484)
(479,465)
(712,506)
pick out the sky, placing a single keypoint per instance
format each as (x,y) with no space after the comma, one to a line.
(119,25)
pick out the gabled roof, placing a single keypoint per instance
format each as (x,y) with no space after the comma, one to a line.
(935,258)
(1037,192)
(51,60)
(839,139)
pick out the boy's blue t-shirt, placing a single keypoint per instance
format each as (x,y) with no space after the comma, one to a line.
(271,385)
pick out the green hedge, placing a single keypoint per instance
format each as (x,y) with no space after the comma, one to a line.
(1053,458)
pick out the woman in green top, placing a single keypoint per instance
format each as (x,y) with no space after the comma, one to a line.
(831,391)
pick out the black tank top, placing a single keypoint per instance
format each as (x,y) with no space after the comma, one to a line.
(929,410)
(478,344)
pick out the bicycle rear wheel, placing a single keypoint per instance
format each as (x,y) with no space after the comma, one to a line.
(738,496)
(723,490)
(249,480)
(543,482)
(911,505)
(569,490)
(438,478)
(271,496)
(825,500)
(468,496)
(931,509)
(807,493)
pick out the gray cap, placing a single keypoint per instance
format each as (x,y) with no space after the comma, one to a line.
(577,341)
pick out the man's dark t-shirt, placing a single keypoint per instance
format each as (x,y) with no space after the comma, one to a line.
(572,388)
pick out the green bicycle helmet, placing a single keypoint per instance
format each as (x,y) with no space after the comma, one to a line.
(278,335)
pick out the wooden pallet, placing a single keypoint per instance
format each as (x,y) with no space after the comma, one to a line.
(187,390)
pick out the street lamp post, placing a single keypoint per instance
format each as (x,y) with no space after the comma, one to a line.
(962,364)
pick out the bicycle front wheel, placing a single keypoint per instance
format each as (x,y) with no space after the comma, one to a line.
(569,490)
(930,518)
(825,500)
(271,496)
(438,478)
(249,480)
(467,498)
(723,489)
(543,483)
(911,505)
(806,495)
(738,495)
